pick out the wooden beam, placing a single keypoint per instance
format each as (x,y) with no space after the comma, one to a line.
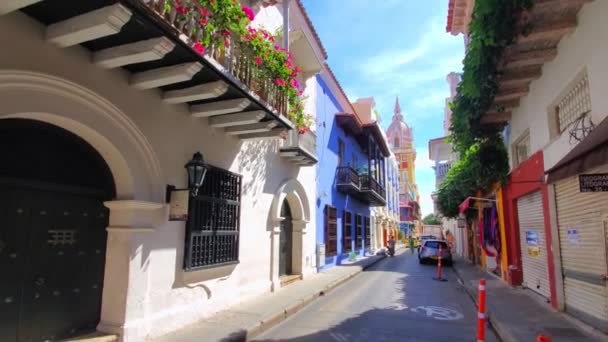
(507,104)
(553,30)
(166,75)
(138,52)
(219,107)
(7,6)
(273,133)
(289,154)
(496,117)
(100,23)
(200,92)
(529,58)
(516,77)
(512,93)
(244,118)
(251,128)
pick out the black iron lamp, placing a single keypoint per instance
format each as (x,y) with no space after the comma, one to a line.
(197,169)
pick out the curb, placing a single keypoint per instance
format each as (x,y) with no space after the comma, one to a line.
(290,310)
(501,331)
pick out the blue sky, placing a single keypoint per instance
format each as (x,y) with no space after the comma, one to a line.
(384,48)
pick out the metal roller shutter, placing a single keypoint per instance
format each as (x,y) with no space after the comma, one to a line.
(533,245)
(582,235)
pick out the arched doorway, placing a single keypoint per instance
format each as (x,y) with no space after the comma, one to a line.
(286,241)
(52,231)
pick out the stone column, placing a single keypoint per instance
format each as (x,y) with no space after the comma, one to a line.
(125,278)
(298,257)
(275,231)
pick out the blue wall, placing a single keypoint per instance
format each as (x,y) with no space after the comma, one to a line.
(328,133)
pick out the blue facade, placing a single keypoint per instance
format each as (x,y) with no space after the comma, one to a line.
(329,133)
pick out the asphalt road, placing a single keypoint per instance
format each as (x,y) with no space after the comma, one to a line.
(395,300)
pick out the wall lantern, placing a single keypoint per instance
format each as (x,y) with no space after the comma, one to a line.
(179,198)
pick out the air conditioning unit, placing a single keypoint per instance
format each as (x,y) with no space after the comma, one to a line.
(320,255)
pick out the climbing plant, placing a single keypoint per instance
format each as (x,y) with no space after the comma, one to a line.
(484,159)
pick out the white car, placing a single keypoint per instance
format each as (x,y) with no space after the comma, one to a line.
(429,251)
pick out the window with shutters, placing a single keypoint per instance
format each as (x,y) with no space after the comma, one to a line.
(331,231)
(521,148)
(347,231)
(575,103)
(368,233)
(358,231)
(212,229)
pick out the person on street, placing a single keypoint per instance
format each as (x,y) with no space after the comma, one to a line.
(391,245)
(411,244)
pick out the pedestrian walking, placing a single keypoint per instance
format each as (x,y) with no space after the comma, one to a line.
(411,244)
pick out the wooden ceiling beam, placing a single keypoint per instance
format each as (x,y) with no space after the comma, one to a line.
(515,60)
(513,92)
(491,118)
(507,104)
(552,30)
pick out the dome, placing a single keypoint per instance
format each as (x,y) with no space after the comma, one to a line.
(399,134)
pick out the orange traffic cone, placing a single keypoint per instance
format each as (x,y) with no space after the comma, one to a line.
(543,338)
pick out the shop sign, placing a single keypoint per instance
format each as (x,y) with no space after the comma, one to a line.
(533,251)
(532,238)
(573,237)
(593,183)
(178,205)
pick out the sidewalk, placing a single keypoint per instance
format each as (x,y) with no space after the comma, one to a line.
(514,313)
(252,317)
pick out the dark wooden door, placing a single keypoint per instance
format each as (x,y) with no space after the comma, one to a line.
(285,241)
(52,259)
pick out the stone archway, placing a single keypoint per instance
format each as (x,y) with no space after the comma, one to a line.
(293,194)
(138,202)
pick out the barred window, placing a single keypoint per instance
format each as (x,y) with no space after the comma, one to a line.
(212,233)
(521,148)
(574,104)
(331,231)
(368,233)
(347,231)
(358,231)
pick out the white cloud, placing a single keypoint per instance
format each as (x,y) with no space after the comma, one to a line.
(435,98)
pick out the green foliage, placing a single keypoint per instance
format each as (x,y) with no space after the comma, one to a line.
(482,165)
(431,219)
(484,157)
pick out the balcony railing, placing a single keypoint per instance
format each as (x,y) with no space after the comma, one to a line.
(377,193)
(347,180)
(300,148)
(235,59)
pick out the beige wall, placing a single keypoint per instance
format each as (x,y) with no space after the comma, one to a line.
(146,144)
(576,52)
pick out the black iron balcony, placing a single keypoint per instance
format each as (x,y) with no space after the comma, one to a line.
(347,180)
(301,149)
(372,192)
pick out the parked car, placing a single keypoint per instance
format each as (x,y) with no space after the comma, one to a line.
(429,251)
(422,239)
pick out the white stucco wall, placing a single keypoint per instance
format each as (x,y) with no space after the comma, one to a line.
(161,296)
(576,52)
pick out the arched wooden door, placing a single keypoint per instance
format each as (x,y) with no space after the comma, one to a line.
(52,232)
(286,241)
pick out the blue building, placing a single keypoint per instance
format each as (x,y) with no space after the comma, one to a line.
(351,174)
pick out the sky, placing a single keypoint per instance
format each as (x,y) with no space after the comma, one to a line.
(385,48)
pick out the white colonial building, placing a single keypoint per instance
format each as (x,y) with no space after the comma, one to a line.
(103,103)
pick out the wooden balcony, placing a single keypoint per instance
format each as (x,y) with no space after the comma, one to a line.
(347,180)
(372,192)
(301,149)
(362,187)
(221,86)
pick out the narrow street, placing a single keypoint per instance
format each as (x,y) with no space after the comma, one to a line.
(394,300)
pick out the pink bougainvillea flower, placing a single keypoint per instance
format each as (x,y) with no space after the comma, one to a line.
(199,48)
(258,61)
(271,38)
(295,83)
(300,92)
(182,10)
(302,130)
(226,43)
(276,47)
(204,21)
(247,37)
(248,12)
(288,64)
(251,30)
(226,33)
(204,12)
(280,82)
